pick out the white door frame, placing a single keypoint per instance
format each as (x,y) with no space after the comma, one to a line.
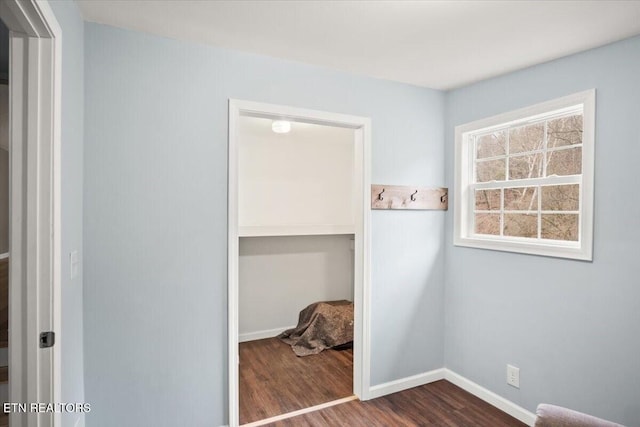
(34,236)
(362,257)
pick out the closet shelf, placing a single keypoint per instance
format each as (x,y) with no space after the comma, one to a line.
(295,230)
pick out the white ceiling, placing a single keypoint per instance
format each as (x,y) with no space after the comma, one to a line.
(437,44)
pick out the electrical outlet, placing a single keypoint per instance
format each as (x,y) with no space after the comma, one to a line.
(513,376)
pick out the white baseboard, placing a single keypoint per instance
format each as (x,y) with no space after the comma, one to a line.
(477,390)
(258,335)
(405,383)
(490,397)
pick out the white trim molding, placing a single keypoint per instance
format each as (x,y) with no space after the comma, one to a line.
(464,234)
(477,390)
(361,230)
(490,397)
(34,239)
(259,335)
(402,384)
(406,383)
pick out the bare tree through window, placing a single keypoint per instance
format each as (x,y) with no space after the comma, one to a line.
(519,154)
(525,179)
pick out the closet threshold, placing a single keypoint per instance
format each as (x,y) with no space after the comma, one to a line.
(300,412)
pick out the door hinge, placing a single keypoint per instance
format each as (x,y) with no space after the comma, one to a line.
(47,339)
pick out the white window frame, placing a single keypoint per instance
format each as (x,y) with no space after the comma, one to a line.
(464,186)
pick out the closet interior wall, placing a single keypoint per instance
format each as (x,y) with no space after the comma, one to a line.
(296,222)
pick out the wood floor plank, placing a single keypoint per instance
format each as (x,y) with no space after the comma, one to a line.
(4,302)
(439,404)
(4,374)
(274,381)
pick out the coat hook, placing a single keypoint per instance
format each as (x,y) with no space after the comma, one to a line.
(443,198)
(380,195)
(413,196)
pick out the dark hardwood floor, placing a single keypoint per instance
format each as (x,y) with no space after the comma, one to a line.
(437,404)
(274,381)
(4,302)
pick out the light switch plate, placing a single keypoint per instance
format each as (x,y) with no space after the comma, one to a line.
(73,264)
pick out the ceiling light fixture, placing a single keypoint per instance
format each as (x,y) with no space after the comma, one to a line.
(281,126)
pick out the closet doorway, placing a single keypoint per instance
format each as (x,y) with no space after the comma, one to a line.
(290,202)
(34,266)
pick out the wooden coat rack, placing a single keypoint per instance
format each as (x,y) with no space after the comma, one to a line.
(405,197)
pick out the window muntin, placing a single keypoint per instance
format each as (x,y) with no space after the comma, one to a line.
(521,180)
(517,154)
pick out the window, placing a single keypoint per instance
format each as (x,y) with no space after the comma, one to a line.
(524,180)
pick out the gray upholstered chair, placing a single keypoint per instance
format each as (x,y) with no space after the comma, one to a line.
(556,416)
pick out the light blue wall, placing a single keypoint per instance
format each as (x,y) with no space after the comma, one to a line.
(571,327)
(71,339)
(155,220)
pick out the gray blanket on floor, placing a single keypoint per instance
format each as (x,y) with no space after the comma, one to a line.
(321,325)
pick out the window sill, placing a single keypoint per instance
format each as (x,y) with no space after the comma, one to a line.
(548,249)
